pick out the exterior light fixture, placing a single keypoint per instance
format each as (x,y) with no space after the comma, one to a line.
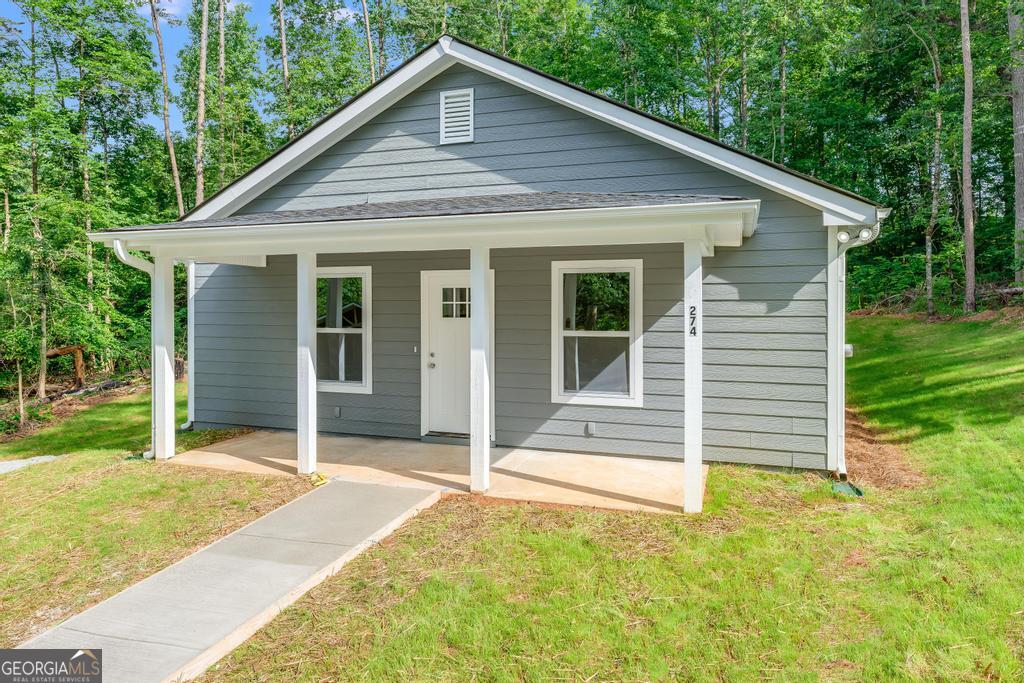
(865,234)
(843,237)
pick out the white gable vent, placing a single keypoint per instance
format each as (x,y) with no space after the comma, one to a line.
(457,116)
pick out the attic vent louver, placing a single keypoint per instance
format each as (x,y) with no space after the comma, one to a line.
(457,116)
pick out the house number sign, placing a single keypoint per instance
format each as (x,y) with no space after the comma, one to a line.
(693,321)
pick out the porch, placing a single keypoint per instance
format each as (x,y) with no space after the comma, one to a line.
(563,380)
(558,477)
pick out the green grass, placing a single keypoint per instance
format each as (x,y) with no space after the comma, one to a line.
(81,528)
(780,579)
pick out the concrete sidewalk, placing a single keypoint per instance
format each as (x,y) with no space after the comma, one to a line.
(176,623)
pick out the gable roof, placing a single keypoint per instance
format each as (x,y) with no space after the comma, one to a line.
(839,206)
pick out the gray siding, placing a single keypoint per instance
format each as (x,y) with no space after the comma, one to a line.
(765,302)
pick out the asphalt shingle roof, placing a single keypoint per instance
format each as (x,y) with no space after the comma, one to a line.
(446,206)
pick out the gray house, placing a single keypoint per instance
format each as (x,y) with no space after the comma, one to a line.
(474,249)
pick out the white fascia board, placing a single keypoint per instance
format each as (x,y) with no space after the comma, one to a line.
(646,225)
(322,136)
(838,206)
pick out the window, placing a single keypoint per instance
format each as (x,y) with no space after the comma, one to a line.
(343,348)
(596,341)
(455,302)
(456,116)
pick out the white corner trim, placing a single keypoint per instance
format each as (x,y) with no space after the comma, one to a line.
(365,332)
(834,355)
(635,268)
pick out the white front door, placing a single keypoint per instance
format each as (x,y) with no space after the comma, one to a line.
(447,304)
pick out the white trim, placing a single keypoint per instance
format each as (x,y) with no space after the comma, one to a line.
(481,369)
(834,347)
(693,379)
(425,275)
(839,206)
(305,320)
(190,341)
(446,138)
(328,132)
(635,268)
(365,273)
(854,211)
(713,223)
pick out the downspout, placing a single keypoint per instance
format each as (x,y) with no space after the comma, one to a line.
(847,241)
(190,337)
(129,259)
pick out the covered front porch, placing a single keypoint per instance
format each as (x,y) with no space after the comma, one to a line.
(561,478)
(481,228)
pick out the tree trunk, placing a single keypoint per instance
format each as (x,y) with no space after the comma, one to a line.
(167,111)
(37,232)
(744,99)
(201,101)
(1017,99)
(284,67)
(86,188)
(383,11)
(967,185)
(7,221)
(782,102)
(220,92)
(369,43)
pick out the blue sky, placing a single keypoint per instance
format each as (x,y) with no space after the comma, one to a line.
(176,36)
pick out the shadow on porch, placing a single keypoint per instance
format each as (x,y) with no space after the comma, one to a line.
(604,481)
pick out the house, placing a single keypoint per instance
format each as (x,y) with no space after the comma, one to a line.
(472,247)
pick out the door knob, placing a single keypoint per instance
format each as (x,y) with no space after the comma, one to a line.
(431,365)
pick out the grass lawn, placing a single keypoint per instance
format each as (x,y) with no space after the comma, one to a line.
(780,578)
(77,530)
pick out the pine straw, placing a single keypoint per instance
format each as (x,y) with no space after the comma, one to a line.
(873,461)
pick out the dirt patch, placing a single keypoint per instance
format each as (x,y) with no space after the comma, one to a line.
(981,316)
(874,462)
(64,407)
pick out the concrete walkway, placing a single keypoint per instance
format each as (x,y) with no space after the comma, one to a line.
(12,465)
(176,623)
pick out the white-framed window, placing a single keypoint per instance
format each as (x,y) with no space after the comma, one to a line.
(344,347)
(596,333)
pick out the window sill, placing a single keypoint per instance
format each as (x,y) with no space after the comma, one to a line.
(343,388)
(598,400)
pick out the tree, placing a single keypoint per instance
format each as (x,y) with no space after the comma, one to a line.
(167,108)
(967,183)
(1016,33)
(201,101)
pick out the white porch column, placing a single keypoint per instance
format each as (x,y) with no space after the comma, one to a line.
(162,356)
(480,371)
(305,427)
(190,341)
(693,382)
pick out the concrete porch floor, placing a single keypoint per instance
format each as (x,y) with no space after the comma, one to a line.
(604,481)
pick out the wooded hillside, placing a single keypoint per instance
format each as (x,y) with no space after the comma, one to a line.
(888,98)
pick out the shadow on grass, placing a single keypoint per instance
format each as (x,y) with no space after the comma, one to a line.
(922,379)
(121,424)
